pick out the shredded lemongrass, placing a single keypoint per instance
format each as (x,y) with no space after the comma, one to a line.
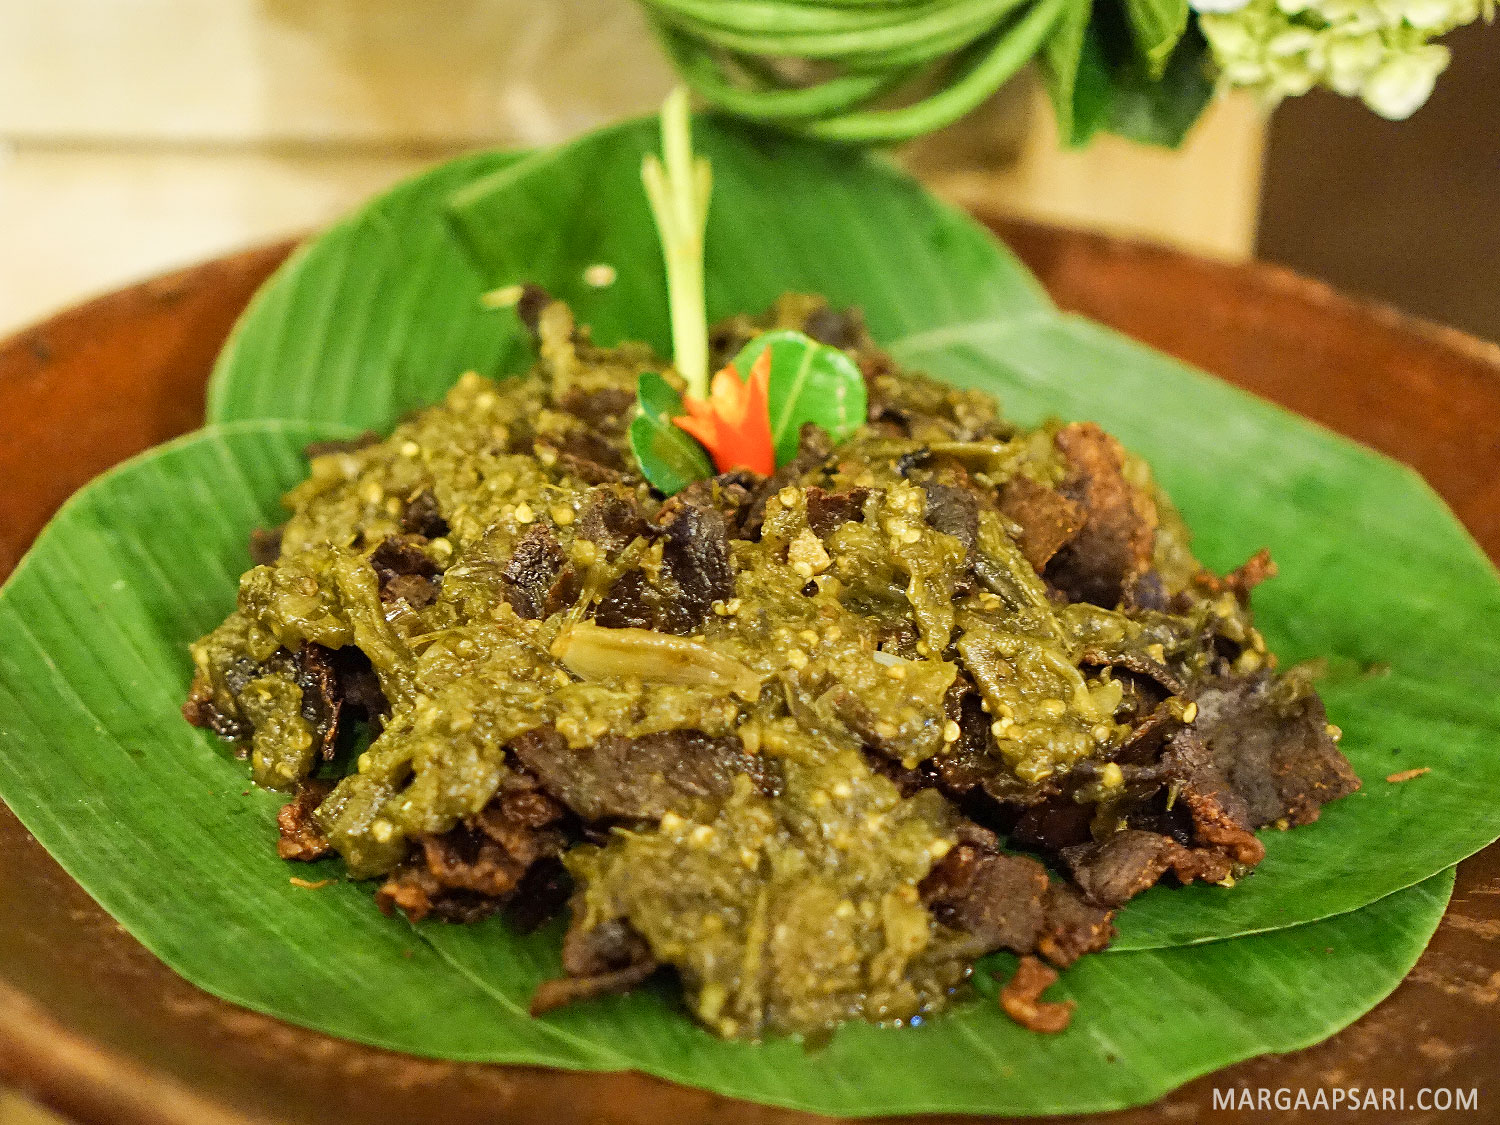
(679,191)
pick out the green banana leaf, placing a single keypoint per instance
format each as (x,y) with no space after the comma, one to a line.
(1375,571)
(158,821)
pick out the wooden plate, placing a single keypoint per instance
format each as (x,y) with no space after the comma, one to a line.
(93,1025)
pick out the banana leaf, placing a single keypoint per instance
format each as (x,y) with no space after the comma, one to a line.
(158,821)
(1378,579)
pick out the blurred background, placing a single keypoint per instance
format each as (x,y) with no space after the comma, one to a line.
(139,135)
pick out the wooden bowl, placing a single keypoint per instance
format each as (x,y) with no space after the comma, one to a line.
(94,1026)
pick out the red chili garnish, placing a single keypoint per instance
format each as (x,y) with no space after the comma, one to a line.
(734,422)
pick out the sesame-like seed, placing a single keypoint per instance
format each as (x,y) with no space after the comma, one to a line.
(797,659)
(1190,712)
(562,515)
(885,729)
(670,821)
(382,830)
(939,848)
(507,296)
(702,834)
(951,731)
(524,514)
(802,569)
(896,672)
(910,535)
(410,449)
(842,790)
(1334,732)
(809,636)
(787,496)
(600,276)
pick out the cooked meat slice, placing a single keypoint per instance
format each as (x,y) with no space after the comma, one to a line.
(695,557)
(1021,999)
(1113,548)
(1048,520)
(1113,871)
(1270,739)
(997,898)
(1074,926)
(539,580)
(265,545)
(611,521)
(828,511)
(300,837)
(421,516)
(609,958)
(618,778)
(953,509)
(631,603)
(1052,825)
(473,869)
(405,571)
(316,674)
(1220,816)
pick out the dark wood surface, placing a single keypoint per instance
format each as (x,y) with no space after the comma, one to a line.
(94,1026)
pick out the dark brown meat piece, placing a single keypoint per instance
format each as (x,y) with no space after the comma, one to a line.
(611,521)
(421,516)
(695,574)
(620,778)
(316,673)
(996,898)
(695,557)
(1007,902)
(473,869)
(828,511)
(1269,737)
(1074,926)
(405,571)
(265,545)
(300,837)
(609,958)
(1113,548)
(538,579)
(1021,999)
(1113,871)
(1048,520)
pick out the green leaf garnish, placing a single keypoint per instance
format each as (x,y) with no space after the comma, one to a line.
(669,458)
(810,382)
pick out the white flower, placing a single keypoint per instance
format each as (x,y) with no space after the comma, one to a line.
(1377,50)
(1401,84)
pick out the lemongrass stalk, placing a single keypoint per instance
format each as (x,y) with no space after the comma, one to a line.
(678,191)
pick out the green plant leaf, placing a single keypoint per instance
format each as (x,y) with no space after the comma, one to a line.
(158,821)
(810,382)
(669,458)
(329,336)
(1098,80)
(1340,519)
(382,313)
(1156,26)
